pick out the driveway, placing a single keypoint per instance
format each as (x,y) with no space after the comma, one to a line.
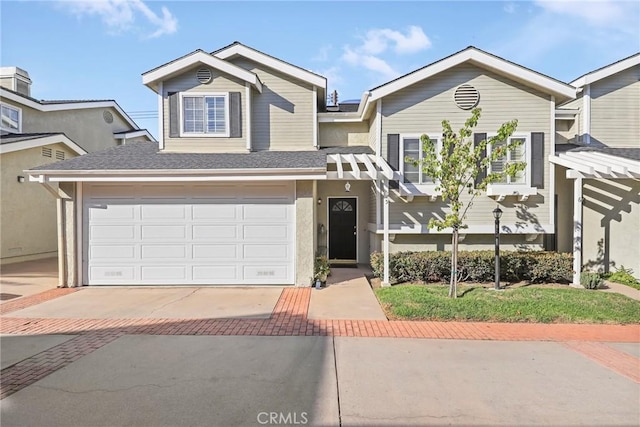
(27,278)
(324,381)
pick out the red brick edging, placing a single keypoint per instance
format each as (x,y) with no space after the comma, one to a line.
(28,301)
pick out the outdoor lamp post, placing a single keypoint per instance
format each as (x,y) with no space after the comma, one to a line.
(497,213)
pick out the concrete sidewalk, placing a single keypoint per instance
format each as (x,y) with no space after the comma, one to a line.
(27,278)
(140,380)
(348,296)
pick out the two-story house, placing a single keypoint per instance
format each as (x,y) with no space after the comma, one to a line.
(37,132)
(254,175)
(598,182)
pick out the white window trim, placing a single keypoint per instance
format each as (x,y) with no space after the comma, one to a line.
(515,188)
(184,134)
(19,110)
(428,188)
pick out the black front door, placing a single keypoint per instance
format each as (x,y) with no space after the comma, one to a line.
(342,228)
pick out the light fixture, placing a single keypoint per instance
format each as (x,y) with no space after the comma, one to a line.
(319,201)
(497,213)
(347,187)
(20,179)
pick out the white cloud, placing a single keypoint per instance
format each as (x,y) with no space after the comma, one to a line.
(370,62)
(123,15)
(597,13)
(323,53)
(509,7)
(377,41)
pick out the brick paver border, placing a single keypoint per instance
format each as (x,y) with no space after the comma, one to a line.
(289,318)
(28,301)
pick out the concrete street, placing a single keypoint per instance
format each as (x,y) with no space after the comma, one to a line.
(232,380)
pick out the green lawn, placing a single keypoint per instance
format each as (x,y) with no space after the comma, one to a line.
(524,304)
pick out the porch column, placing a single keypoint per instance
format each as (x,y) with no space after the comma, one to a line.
(385,246)
(577,230)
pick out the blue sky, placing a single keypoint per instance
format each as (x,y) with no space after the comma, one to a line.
(98,48)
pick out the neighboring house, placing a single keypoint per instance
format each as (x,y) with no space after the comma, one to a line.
(254,175)
(34,133)
(599,181)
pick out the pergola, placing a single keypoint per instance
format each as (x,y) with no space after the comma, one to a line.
(593,163)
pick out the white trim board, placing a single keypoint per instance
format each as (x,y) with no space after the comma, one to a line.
(40,141)
(607,71)
(134,134)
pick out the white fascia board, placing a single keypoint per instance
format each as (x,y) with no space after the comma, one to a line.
(239,174)
(39,142)
(269,61)
(174,178)
(134,134)
(67,106)
(606,71)
(342,118)
(505,229)
(482,59)
(152,77)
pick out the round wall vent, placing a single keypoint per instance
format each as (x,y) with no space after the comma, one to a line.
(466,97)
(107,116)
(203,75)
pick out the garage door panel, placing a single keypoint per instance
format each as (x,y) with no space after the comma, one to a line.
(215,233)
(111,211)
(203,234)
(164,251)
(164,232)
(263,252)
(215,252)
(108,252)
(112,273)
(151,212)
(164,273)
(265,272)
(216,273)
(266,232)
(224,212)
(112,232)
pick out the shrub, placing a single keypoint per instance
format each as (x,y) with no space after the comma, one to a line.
(321,269)
(475,266)
(624,276)
(591,280)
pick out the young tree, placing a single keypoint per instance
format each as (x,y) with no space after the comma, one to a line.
(464,166)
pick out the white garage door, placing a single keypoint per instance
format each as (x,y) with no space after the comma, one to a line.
(227,234)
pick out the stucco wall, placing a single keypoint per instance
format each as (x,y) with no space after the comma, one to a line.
(611,225)
(360,190)
(343,134)
(305,250)
(28,210)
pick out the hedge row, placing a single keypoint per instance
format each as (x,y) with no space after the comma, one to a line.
(476,266)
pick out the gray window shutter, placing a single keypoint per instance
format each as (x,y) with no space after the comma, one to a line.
(174,116)
(537,159)
(235,115)
(393,155)
(477,139)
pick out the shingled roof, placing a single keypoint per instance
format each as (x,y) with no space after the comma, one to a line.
(146,156)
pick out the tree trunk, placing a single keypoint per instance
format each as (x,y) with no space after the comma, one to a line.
(453,283)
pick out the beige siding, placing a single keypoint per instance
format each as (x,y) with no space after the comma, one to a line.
(373,132)
(611,224)
(28,218)
(85,127)
(343,134)
(220,83)
(282,115)
(421,108)
(615,109)
(566,130)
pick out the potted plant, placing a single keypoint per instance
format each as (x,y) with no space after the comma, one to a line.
(321,270)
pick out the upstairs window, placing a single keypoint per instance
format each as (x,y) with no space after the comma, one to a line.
(11,118)
(518,154)
(206,115)
(412,148)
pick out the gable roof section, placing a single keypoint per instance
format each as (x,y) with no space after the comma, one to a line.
(10,142)
(61,105)
(134,134)
(475,56)
(170,69)
(607,70)
(237,48)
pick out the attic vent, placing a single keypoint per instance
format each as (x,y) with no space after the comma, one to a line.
(466,97)
(107,116)
(46,152)
(203,75)
(59,155)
